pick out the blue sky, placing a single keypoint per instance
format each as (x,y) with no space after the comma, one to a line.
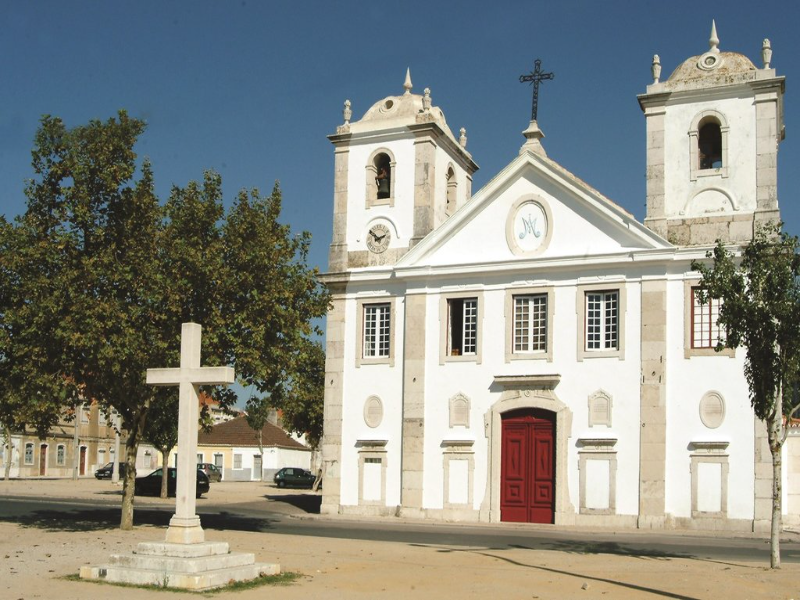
(251,89)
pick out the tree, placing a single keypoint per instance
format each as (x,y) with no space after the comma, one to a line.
(760,310)
(104,275)
(161,430)
(257,417)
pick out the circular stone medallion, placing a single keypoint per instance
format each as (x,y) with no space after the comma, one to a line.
(373,411)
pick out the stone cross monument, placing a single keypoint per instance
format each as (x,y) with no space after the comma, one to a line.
(184,527)
(185,560)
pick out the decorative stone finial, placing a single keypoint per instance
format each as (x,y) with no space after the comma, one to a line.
(713,41)
(656,68)
(407,85)
(533,136)
(347,112)
(463,137)
(766,53)
(426,100)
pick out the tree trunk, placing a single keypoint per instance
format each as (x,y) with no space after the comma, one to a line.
(164,471)
(774,430)
(131,450)
(8,453)
(261,452)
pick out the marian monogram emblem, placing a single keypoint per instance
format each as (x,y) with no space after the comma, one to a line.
(529,226)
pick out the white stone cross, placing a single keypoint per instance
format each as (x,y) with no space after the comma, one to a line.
(184,527)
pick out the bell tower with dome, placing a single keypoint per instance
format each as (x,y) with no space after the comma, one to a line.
(399,174)
(713,129)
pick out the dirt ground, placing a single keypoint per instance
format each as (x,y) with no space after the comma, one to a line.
(37,554)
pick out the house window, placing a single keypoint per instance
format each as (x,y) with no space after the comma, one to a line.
(237,461)
(60,454)
(199,457)
(218,461)
(28,454)
(530,323)
(377,330)
(706,333)
(709,142)
(602,320)
(462,326)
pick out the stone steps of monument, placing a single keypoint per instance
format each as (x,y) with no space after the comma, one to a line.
(191,581)
(182,550)
(182,564)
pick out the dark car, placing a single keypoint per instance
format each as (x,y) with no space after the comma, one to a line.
(293,477)
(150,485)
(211,470)
(107,471)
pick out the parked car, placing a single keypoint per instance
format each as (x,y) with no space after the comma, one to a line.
(107,471)
(150,485)
(294,477)
(211,470)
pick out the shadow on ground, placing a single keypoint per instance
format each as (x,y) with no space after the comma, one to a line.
(309,503)
(107,517)
(582,548)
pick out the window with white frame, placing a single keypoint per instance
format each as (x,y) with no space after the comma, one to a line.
(602,320)
(237,461)
(28,454)
(706,333)
(530,323)
(377,330)
(462,326)
(60,454)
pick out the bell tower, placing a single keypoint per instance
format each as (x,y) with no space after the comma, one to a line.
(399,174)
(713,129)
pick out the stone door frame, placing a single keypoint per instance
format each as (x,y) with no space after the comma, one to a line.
(525,392)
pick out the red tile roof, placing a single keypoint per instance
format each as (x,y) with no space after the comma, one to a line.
(237,432)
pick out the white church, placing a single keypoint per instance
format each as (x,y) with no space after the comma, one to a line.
(532,352)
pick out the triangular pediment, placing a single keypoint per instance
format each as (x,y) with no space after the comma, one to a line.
(533,210)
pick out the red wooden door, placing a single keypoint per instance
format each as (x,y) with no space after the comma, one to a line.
(82,464)
(527,474)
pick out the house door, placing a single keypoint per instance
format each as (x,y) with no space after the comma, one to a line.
(43,459)
(527,484)
(259,474)
(82,463)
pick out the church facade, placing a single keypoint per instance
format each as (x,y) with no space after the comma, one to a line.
(532,352)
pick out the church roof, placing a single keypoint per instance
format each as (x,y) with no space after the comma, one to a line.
(713,67)
(398,111)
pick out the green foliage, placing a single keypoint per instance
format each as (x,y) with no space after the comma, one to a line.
(97,277)
(760,310)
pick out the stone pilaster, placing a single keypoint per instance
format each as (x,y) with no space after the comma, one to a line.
(337,256)
(424,180)
(334,398)
(655,219)
(767,139)
(762,509)
(653,406)
(413,406)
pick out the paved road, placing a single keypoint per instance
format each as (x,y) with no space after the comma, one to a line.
(289,517)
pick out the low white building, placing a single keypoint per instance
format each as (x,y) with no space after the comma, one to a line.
(233,447)
(533,352)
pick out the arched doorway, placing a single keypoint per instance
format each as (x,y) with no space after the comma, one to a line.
(528,465)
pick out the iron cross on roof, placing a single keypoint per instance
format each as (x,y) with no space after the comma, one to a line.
(535,77)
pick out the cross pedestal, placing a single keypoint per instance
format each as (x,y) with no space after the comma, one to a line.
(184,560)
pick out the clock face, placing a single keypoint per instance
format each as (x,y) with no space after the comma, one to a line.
(529,226)
(378,238)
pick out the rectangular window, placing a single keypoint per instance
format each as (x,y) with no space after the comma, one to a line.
(199,457)
(28,454)
(530,323)
(602,320)
(377,328)
(237,461)
(60,457)
(218,461)
(706,333)
(462,330)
